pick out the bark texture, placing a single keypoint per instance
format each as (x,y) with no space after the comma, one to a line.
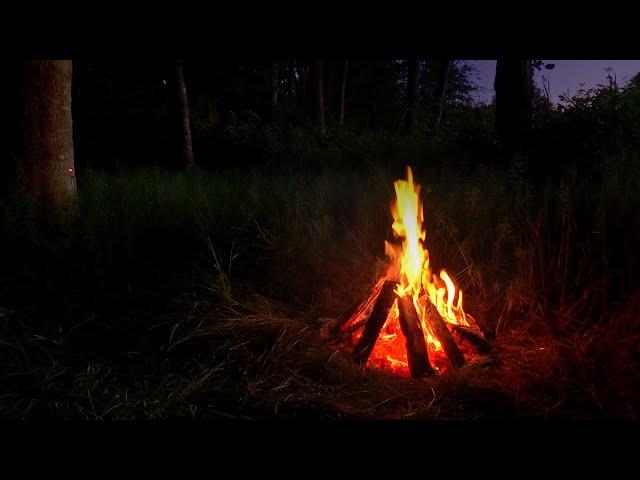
(45,148)
(376,321)
(417,355)
(439,328)
(186,147)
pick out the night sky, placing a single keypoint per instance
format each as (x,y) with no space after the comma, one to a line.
(566,77)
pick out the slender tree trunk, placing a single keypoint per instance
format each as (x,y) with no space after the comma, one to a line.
(513,86)
(373,117)
(372,91)
(411,116)
(303,91)
(186,148)
(342,91)
(319,92)
(441,90)
(212,110)
(45,148)
(274,89)
(427,88)
(291,83)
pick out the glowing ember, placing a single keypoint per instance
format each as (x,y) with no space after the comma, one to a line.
(409,267)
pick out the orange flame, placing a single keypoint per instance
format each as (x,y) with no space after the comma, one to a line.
(407,224)
(409,266)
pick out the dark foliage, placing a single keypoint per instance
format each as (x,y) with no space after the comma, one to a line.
(198,293)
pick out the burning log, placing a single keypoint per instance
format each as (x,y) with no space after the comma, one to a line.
(441,331)
(376,321)
(417,355)
(359,308)
(385,336)
(468,335)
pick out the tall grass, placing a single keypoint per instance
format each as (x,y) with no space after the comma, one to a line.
(103,319)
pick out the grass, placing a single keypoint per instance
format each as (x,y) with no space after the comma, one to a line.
(198,295)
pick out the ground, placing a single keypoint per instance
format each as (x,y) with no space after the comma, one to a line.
(198,295)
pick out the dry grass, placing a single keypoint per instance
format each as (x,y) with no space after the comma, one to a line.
(556,352)
(270,359)
(242,340)
(282,367)
(275,362)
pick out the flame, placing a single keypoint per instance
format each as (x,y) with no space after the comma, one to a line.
(409,266)
(407,224)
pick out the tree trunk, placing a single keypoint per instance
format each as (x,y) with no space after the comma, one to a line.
(342,91)
(319,92)
(212,110)
(411,117)
(513,86)
(441,90)
(426,86)
(45,146)
(186,148)
(291,83)
(303,91)
(274,89)
(373,117)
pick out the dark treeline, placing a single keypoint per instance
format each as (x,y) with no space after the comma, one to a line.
(127,113)
(280,112)
(196,288)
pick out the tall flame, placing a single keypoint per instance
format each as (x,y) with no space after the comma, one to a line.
(407,224)
(409,266)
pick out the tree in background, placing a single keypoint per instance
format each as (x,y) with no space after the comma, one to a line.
(291,84)
(186,147)
(274,91)
(440,92)
(45,144)
(302,88)
(513,102)
(125,112)
(411,115)
(376,95)
(318,90)
(342,91)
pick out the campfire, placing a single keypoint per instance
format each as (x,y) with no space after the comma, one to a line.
(411,320)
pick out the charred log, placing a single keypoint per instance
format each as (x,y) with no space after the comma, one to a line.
(467,336)
(359,308)
(417,355)
(375,323)
(441,331)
